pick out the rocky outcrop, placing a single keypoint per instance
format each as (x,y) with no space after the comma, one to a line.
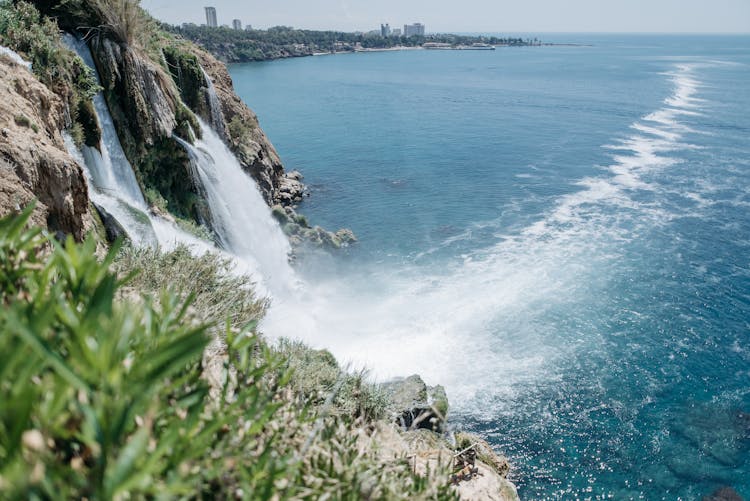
(141,90)
(148,113)
(291,189)
(300,233)
(426,451)
(33,160)
(414,405)
(112,229)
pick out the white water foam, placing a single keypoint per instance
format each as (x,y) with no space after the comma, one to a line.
(483,326)
(239,214)
(214,106)
(15,57)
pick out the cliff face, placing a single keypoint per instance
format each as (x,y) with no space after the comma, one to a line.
(33,160)
(238,124)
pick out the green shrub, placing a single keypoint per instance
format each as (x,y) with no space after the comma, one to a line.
(239,130)
(37,37)
(217,294)
(22,120)
(315,374)
(106,400)
(102,394)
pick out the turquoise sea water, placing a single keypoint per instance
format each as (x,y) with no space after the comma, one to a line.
(560,235)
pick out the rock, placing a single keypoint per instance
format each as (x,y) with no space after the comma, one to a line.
(415,405)
(484,452)
(32,170)
(113,229)
(295,175)
(346,236)
(723,494)
(426,451)
(145,103)
(486,485)
(291,190)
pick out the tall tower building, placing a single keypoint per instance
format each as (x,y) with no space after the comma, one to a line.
(385,30)
(236,24)
(416,29)
(211,17)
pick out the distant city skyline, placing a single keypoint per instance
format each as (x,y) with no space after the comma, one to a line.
(649,16)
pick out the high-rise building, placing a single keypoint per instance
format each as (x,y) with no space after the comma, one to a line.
(416,29)
(236,24)
(385,30)
(211,17)
(396,32)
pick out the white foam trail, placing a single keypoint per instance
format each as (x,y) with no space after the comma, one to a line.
(483,325)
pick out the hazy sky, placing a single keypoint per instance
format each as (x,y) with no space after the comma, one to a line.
(713,16)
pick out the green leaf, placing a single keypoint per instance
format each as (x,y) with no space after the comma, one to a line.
(43,349)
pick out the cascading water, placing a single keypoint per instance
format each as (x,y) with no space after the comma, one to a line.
(240,216)
(214,106)
(113,172)
(112,183)
(13,55)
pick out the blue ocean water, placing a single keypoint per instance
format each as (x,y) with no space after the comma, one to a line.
(560,235)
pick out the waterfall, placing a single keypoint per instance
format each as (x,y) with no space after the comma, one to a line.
(111,180)
(14,56)
(110,169)
(214,107)
(239,215)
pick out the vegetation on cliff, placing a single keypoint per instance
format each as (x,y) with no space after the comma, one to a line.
(37,38)
(112,397)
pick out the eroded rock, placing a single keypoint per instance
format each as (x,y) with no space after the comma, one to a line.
(34,163)
(415,405)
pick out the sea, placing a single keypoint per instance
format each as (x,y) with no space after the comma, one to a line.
(559,235)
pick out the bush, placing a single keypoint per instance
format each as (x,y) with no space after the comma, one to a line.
(102,394)
(217,294)
(107,400)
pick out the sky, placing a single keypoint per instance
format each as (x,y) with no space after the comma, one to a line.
(514,16)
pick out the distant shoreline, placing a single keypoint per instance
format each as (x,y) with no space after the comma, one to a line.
(282,42)
(411,48)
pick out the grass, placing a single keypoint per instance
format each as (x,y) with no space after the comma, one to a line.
(217,294)
(25,121)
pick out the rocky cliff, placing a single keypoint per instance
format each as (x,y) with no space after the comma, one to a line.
(198,74)
(33,160)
